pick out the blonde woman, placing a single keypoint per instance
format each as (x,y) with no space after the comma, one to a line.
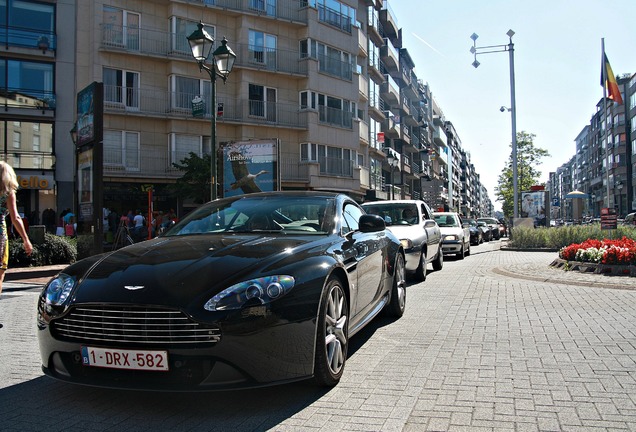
(8,187)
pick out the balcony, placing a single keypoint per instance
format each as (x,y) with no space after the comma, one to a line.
(335,67)
(388,20)
(27,38)
(374,27)
(286,10)
(391,127)
(439,136)
(390,57)
(363,132)
(363,41)
(389,90)
(363,87)
(175,45)
(166,104)
(155,163)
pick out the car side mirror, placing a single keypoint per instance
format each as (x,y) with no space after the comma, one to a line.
(371,223)
(430,223)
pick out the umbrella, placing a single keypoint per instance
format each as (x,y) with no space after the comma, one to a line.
(577,194)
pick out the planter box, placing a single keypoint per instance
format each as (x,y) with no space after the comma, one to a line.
(586,267)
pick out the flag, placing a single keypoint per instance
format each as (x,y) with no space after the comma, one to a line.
(608,79)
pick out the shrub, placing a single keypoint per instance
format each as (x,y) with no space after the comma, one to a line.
(54,250)
(560,237)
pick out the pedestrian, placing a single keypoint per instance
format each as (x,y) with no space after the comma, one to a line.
(8,187)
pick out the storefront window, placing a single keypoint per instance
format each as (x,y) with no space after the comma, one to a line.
(27,145)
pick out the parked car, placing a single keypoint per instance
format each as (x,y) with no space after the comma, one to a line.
(412,222)
(485,229)
(494,226)
(503,228)
(476,232)
(630,219)
(455,236)
(223,300)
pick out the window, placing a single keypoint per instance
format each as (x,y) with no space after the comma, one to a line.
(121,87)
(262,102)
(121,28)
(182,145)
(264,6)
(334,161)
(336,111)
(351,218)
(27,18)
(334,61)
(334,13)
(180,29)
(17,139)
(307,100)
(262,48)
(32,81)
(36,143)
(185,89)
(121,149)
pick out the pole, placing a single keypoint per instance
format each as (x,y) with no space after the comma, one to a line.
(213,173)
(604,79)
(513,115)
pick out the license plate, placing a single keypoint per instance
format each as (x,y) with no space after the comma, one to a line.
(125,359)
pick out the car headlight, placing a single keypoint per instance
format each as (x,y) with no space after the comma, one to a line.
(253,292)
(58,289)
(406,243)
(451,237)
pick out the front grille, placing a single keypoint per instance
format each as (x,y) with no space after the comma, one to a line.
(133,325)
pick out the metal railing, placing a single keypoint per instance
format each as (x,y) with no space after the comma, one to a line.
(28,38)
(336,117)
(288,10)
(172,104)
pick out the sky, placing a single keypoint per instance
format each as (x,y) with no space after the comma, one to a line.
(557,69)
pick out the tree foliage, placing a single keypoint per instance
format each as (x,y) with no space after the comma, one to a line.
(528,159)
(195,182)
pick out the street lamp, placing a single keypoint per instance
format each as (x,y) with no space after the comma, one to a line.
(223,57)
(513,110)
(393,162)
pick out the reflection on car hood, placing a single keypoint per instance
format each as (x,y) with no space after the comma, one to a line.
(170,269)
(406,231)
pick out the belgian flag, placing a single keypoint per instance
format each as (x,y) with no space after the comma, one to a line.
(608,79)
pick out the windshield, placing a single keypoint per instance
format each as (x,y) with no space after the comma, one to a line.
(444,220)
(252,214)
(394,213)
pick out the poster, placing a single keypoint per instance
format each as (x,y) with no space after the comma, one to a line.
(533,206)
(249,166)
(85,176)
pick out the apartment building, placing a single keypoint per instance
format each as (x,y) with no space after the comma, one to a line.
(603,163)
(329,81)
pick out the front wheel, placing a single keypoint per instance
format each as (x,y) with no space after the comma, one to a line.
(420,272)
(332,338)
(439,261)
(396,306)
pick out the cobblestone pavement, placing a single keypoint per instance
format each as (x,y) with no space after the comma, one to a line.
(497,341)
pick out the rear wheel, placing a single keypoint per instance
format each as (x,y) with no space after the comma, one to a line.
(397,304)
(468,249)
(462,252)
(332,340)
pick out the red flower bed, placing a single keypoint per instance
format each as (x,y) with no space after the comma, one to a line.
(621,251)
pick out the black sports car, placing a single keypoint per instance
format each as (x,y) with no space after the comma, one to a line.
(246,291)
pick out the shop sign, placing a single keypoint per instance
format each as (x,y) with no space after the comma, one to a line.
(35,182)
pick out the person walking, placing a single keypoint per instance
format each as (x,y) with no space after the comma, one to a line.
(8,206)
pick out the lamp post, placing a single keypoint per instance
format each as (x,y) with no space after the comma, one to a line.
(223,57)
(513,107)
(393,162)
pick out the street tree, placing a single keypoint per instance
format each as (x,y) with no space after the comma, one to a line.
(529,157)
(195,182)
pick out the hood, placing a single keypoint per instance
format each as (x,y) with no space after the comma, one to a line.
(451,230)
(176,270)
(405,231)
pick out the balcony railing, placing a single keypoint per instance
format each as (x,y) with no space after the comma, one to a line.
(335,67)
(336,167)
(29,160)
(26,98)
(288,10)
(28,38)
(292,170)
(334,18)
(163,44)
(168,104)
(336,117)
(156,162)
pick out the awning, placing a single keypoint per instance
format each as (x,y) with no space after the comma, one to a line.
(577,194)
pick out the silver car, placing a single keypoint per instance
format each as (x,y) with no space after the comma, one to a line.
(455,235)
(412,222)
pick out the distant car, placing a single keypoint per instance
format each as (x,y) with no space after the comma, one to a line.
(455,236)
(412,222)
(494,226)
(503,228)
(485,230)
(476,232)
(630,219)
